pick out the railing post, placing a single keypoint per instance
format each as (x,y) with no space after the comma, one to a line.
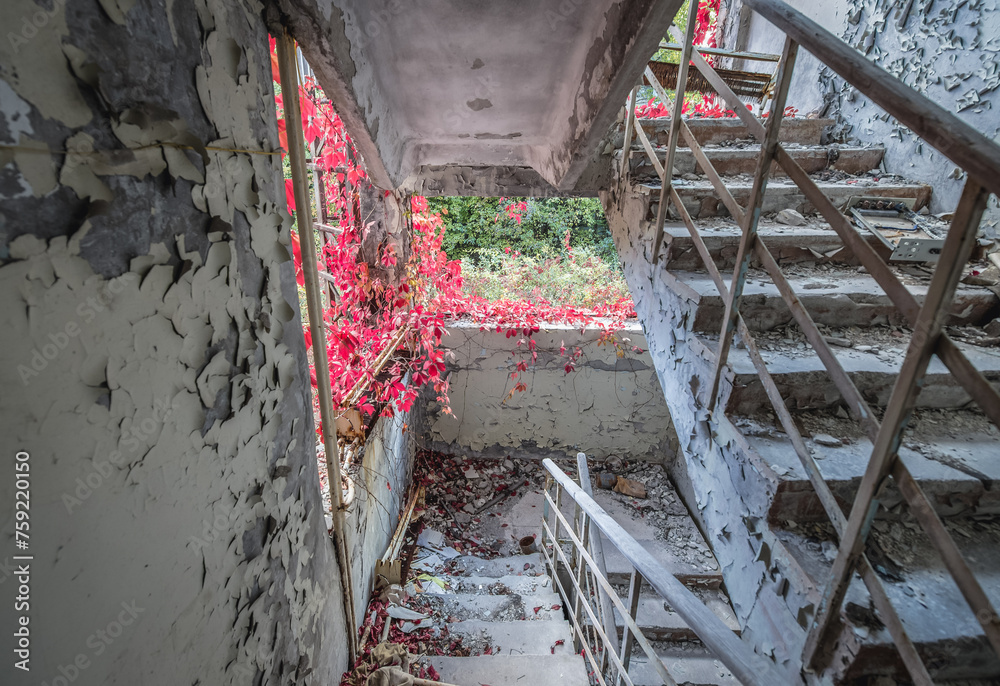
(581,533)
(314,311)
(768,149)
(597,550)
(629,131)
(634,586)
(675,129)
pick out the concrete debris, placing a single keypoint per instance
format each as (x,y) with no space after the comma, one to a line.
(827,440)
(790,217)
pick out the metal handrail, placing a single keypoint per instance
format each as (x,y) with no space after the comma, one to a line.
(980,157)
(737,656)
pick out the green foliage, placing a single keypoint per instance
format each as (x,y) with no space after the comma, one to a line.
(478,226)
(579,279)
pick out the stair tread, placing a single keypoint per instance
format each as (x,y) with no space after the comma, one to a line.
(494,608)
(740,185)
(920,585)
(661,624)
(686,671)
(521,637)
(488,585)
(754,148)
(853,360)
(819,283)
(805,384)
(511,670)
(709,130)
(955,472)
(498,566)
(833,296)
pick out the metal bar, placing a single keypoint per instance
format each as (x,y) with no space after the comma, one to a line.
(597,550)
(629,129)
(985,395)
(634,586)
(628,619)
(759,56)
(314,311)
(953,138)
(717,637)
(768,147)
(577,629)
(578,582)
(954,255)
(699,155)
(666,178)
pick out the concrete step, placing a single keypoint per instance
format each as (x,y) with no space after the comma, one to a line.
(945,631)
(511,670)
(731,160)
(716,131)
(700,199)
(515,565)
(500,585)
(496,608)
(552,637)
(954,456)
(814,243)
(688,668)
(835,296)
(660,623)
(805,384)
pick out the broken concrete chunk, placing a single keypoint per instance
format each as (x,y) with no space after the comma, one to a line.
(993,328)
(838,341)
(790,217)
(827,440)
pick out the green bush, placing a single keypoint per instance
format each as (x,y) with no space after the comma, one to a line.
(581,279)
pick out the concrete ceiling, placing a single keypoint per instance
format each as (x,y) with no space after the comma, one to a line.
(460,96)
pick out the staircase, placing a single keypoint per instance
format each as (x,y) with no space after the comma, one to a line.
(741,476)
(513,625)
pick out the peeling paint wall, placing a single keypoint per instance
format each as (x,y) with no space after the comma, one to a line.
(380,486)
(607,406)
(948,50)
(155,368)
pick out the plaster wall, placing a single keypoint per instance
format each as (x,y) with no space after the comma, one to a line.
(452,90)
(154,364)
(947,50)
(607,406)
(380,486)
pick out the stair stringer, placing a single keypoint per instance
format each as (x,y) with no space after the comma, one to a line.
(723,489)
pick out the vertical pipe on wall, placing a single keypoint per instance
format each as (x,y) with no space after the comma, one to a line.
(314,308)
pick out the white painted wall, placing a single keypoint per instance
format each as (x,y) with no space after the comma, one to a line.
(607,406)
(380,486)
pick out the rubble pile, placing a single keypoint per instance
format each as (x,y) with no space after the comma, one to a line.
(465,497)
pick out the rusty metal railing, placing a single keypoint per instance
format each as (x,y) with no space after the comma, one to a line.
(974,153)
(571,545)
